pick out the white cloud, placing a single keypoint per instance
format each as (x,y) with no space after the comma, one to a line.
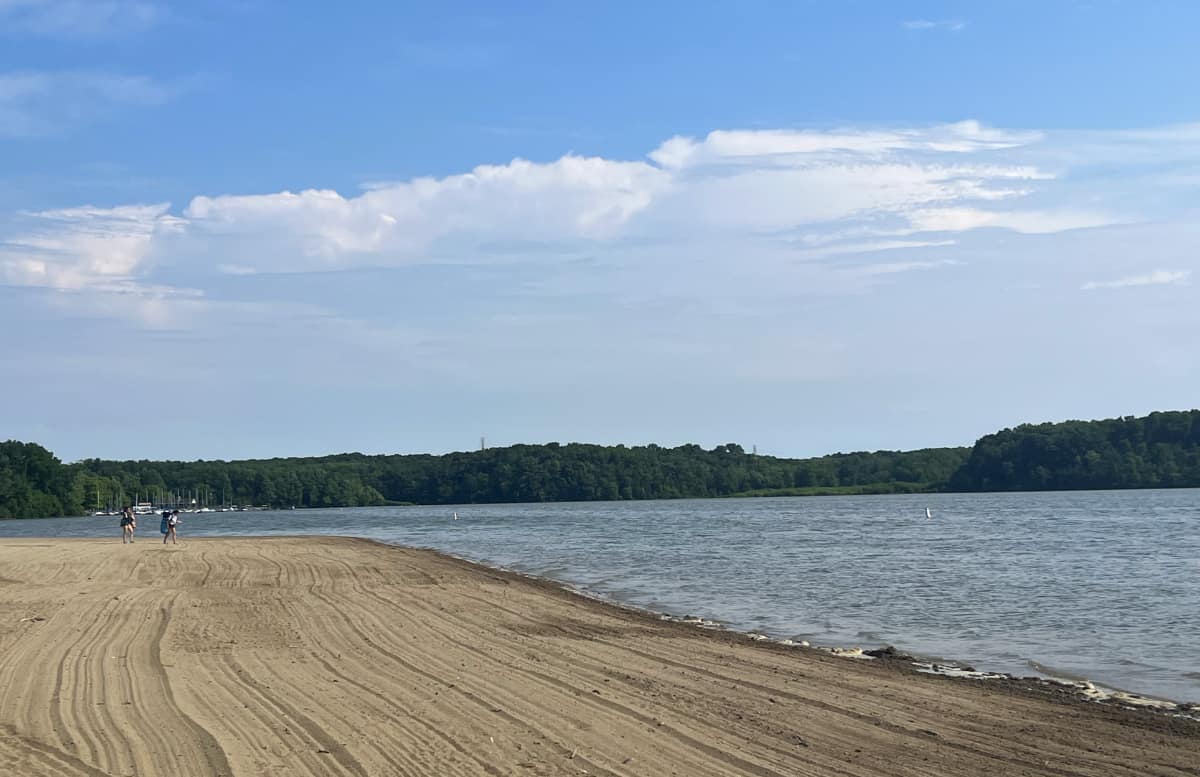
(78,18)
(799,146)
(804,269)
(576,200)
(950,25)
(236,269)
(875,246)
(758,201)
(961,219)
(892,268)
(40,103)
(1155,278)
(769,198)
(87,247)
(573,198)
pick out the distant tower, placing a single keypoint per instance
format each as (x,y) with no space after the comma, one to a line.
(482,443)
(754,448)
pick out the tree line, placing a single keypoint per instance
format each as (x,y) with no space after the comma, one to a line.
(1159,450)
(33,483)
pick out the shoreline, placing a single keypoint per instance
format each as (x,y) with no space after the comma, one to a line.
(957,668)
(947,663)
(1083,690)
(333,655)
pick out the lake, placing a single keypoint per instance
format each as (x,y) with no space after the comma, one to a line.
(1100,585)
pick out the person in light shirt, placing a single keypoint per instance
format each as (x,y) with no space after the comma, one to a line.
(172,521)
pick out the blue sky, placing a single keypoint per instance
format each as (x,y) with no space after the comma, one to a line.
(257,228)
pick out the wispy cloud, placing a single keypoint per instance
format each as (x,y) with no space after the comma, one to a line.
(78,18)
(892,268)
(961,219)
(87,247)
(762,146)
(949,25)
(1155,278)
(103,253)
(878,246)
(34,103)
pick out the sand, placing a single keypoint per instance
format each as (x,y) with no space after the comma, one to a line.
(323,656)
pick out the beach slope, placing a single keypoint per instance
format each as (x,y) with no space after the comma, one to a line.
(327,656)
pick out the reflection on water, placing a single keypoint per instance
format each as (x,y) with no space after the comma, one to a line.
(1098,584)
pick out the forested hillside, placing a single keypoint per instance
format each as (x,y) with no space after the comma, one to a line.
(33,483)
(1160,450)
(521,473)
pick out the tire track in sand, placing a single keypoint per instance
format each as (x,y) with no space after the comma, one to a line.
(1007,753)
(24,757)
(246,637)
(106,691)
(591,703)
(478,701)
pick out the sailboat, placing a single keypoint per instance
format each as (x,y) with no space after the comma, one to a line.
(928,513)
(100,508)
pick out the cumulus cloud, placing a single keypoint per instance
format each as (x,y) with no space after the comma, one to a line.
(731,182)
(1155,278)
(766,198)
(573,198)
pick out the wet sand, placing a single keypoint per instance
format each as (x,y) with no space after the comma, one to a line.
(325,656)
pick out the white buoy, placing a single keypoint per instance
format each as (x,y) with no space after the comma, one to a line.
(456,516)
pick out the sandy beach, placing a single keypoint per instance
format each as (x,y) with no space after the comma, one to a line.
(324,656)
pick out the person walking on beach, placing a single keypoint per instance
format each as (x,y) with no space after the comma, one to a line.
(171,520)
(128,524)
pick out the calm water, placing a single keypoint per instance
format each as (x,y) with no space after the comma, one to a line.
(1102,585)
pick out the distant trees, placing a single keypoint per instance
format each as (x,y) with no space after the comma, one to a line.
(33,483)
(1160,450)
(521,473)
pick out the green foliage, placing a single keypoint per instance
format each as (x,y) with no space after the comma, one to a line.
(1161,450)
(521,473)
(33,483)
(894,487)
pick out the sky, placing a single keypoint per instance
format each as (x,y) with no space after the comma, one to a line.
(259,228)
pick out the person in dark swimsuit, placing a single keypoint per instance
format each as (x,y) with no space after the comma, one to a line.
(128,524)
